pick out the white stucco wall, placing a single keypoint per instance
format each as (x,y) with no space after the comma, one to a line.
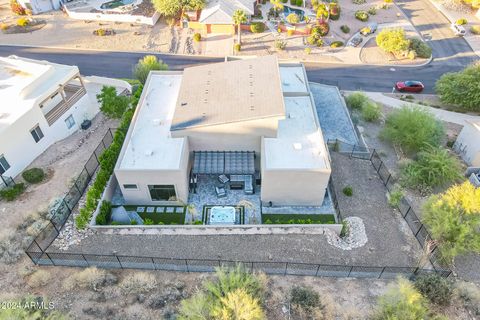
(468,144)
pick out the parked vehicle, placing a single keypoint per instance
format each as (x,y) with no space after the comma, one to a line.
(356,41)
(369,29)
(409,86)
(457,29)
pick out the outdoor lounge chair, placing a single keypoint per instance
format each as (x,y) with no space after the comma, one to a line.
(221,192)
(248,188)
(223,178)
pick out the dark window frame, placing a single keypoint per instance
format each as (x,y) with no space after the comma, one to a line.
(130,186)
(37,133)
(67,122)
(162,192)
(4,165)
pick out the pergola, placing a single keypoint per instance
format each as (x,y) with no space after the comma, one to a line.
(224,162)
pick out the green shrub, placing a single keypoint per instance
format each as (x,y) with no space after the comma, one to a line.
(475,30)
(257,27)
(334,11)
(393,40)
(345,28)
(361,15)
(336,44)
(198,223)
(112,104)
(359,1)
(411,128)
(401,301)
(148,222)
(133,222)
(348,191)
(293,18)
(11,193)
(299,3)
(320,30)
(356,100)
(305,298)
(433,167)
(345,229)
(197,37)
(33,175)
(23,22)
(237,47)
(104,214)
(435,288)
(280,44)
(395,197)
(371,111)
(372,11)
(461,21)
(421,49)
(145,65)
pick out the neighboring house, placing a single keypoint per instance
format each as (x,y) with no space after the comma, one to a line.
(42,103)
(251,118)
(217,16)
(39,6)
(468,143)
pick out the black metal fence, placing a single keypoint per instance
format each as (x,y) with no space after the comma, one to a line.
(354,150)
(6,182)
(50,232)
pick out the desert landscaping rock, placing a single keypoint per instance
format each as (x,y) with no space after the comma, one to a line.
(355,238)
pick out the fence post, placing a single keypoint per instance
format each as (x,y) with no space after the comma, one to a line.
(316,273)
(388,179)
(88,264)
(286,266)
(186,264)
(351,268)
(378,170)
(49,258)
(380,275)
(120,264)
(418,230)
(406,213)
(54,226)
(153,264)
(353,150)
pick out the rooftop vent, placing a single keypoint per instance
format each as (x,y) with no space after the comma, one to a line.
(297,146)
(183,104)
(149,152)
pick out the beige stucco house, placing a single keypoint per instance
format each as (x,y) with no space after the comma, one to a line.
(252,118)
(468,143)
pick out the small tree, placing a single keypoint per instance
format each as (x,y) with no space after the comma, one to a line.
(238,304)
(111,104)
(145,65)
(461,88)
(293,18)
(238,18)
(393,40)
(453,219)
(171,8)
(411,128)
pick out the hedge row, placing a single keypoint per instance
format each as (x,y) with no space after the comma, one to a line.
(107,163)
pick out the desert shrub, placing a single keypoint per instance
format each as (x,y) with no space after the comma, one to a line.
(33,175)
(104,214)
(148,63)
(257,27)
(345,229)
(336,44)
(395,196)
(237,47)
(372,11)
(475,30)
(4,26)
(411,128)
(361,15)
(89,278)
(348,191)
(453,218)
(293,18)
(320,30)
(138,282)
(371,111)
(359,1)
(435,288)
(148,222)
(356,100)
(433,167)
(314,41)
(17,8)
(304,297)
(290,32)
(345,28)
(393,40)
(280,44)
(388,1)
(22,22)
(401,301)
(421,49)
(334,11)
(11,193)
(238,304)
(197,37)
(308,50)
(461,21)
(469,294)
(39,278)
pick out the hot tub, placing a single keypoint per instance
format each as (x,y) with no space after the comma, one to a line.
(222,215)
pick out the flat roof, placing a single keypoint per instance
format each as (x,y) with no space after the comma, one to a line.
(229,92)
(150,145)
(299,143)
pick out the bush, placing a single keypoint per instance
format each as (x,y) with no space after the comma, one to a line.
(304,297)
(293,18)
(148,222)
(138,282)
(33,175)
(345,229)
(257,27)
(435,288)
(348,191)
(361,15)
(280,44)
(39,278)
(11,193)
(89,278)
(469,294)
(356,100)
(320,30)
(336,44)
(475,30)
(393,40)
(411,128)
(299,3)
(290,32)
(434,167)
(334,11)
(401,301)
(237,47)
(308,50)
(461,21)
(104,214)
(371,111)
(145,65)
(314,40)
(345,28)
(372,11)
(112,104)
(421,49)
(395,197)
(197,37)
(359,1)
(23,22)
(4,26)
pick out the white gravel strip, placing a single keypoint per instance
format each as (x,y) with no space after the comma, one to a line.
(356,237)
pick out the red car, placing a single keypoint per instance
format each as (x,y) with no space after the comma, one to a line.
(409,86)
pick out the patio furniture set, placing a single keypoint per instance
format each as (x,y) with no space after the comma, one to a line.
(235,182)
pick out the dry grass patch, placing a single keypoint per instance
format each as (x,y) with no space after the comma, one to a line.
(138,282)
(39,279)
(90,278)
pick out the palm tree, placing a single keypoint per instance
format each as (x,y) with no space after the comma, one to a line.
(238,18)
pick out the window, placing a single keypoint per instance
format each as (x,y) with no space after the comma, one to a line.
(4,166)
(37,133)
(130,186)
(70,121)
(162,192)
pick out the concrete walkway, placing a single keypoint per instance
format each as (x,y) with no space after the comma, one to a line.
(449,116)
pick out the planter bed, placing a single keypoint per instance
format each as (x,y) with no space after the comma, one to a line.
(298,218)
(165,214)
